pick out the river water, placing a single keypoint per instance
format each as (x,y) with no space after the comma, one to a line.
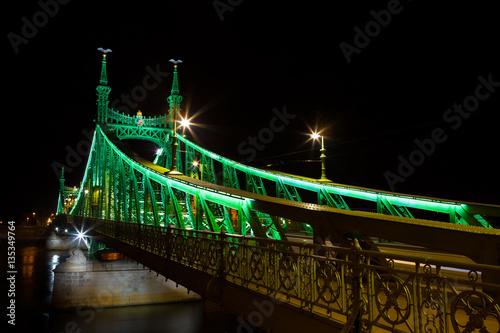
(33,291)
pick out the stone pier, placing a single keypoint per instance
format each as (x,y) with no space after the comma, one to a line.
(56,242)
(82,283)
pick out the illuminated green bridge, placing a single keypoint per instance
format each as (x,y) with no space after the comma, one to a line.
(250,241)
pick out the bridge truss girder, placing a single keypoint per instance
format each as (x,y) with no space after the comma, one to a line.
(337,195)
(290,186)
(118,187)
(120,190)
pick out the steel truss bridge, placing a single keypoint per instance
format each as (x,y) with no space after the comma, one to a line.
(285,251)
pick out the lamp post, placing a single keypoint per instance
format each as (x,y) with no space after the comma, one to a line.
(173,169)
(316,136)
(198,165)
(184,123)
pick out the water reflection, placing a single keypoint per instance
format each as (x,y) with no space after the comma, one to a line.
(54,261)
(174,317)
(27,262)
(34,287)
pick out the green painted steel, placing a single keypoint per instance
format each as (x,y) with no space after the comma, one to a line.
(118,185)
(175,99)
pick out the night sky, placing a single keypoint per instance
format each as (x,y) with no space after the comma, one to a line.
(375,75)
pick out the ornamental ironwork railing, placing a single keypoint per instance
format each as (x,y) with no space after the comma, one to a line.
(366,290)
(124,119)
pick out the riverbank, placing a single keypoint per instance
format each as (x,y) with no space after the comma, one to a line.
(34,287)
(27,233)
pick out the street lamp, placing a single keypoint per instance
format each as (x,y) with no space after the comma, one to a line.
(198,166)
(184,123)
(173,169)
(316,136)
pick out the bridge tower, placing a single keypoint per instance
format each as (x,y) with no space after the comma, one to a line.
(174,100)
(103,91)
(60,203)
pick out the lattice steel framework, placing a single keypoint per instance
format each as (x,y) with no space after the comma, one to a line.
(118,186)
(232,220)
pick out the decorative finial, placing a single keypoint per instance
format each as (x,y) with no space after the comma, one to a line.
(104,51)
(104,76)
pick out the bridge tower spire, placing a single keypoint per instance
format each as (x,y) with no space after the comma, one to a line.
(174,100)
(60,203)
(103,90)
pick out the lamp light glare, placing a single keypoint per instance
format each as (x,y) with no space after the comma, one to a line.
(185,123)
(315,136)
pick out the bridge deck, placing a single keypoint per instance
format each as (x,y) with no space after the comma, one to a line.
(301,289)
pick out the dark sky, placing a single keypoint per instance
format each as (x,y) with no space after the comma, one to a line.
(252,57)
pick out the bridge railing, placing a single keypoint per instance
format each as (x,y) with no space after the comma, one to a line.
(383,292)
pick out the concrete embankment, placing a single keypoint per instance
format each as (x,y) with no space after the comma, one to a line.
(56,242)
(82,283)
